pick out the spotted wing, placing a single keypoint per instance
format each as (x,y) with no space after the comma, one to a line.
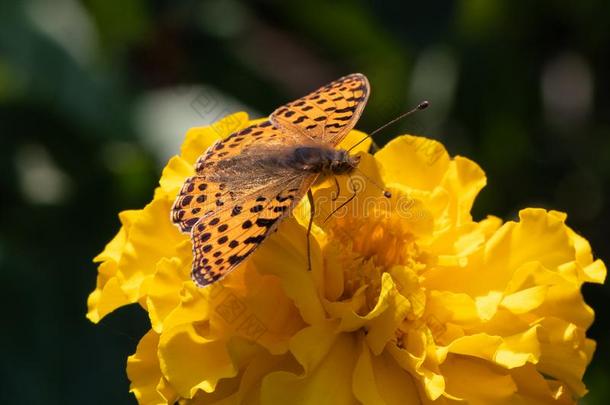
(236,199)
(204,193)
(262,133)
(328,113)
(198,197)
(225,237)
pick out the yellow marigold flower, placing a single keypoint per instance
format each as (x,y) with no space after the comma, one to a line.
(410,300)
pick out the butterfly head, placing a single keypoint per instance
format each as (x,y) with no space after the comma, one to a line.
(343,162)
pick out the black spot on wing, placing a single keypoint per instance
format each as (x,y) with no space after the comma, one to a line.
(186,200)
(255,239)
(191,221)
(266,222)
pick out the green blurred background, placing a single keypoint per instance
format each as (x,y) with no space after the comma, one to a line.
(95,95)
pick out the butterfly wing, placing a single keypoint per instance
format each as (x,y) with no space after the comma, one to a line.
(205,192)
(237,198)
(238,142)
(328,113)
(223,239)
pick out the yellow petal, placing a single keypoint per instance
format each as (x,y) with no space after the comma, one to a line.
(451,307)
(533,274)
(114,248)
(379,380)
(534,389)
(334,277)
(459,257)
(463,179)
(311,345)
(479,383)
(487,305)
(190,361)
(194,306)
(565,353)
(413,161)
(525,300)
(479,345)
(413,359)
(164,290)
(380,322)
(595,272)
(539,237)
(147,382)
(566,302)
(284,256)
(364,384)
(255,362)
(519,349)
(108,295)
(390,311)
(152,237)
(329,383)
(255,307)
(250,381)
(173,176)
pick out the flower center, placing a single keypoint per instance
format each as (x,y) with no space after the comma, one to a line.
(373,246)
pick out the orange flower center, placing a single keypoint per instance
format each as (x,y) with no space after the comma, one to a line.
(373,246)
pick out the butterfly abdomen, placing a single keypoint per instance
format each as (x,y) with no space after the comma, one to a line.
(322,160)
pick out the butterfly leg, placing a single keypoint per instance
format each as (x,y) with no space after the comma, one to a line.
(344,203)
(313,213)
(336,196)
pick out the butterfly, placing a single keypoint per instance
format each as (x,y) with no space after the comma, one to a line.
(248,182)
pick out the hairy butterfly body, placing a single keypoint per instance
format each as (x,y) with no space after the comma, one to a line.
(245,184)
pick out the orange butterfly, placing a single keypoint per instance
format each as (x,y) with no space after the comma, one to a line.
(247,183)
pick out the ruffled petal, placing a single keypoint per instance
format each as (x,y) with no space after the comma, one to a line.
(163,293)
(152,237)
(414,162)
(190,361)
(379,380)
(477,382)
(328,383)
(147,383)
(108,294)
(284,257)
(254,307)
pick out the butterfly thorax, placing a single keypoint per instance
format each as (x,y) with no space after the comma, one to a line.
(322,159)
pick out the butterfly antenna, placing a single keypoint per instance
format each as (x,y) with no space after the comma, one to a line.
(421,106)
(386,193)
